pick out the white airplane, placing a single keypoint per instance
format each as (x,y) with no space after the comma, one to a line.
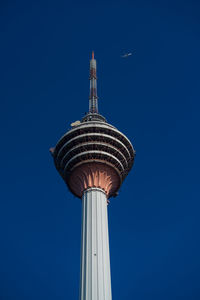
(126,55)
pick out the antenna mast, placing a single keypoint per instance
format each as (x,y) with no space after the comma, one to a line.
(93,103)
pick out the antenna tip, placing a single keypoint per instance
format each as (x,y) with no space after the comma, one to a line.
(92,54)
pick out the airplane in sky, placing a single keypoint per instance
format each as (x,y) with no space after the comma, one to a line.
(127,54)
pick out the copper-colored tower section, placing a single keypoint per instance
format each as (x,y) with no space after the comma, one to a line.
(94,175)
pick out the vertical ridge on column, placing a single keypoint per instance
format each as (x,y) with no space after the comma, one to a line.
(82,268)
(102,251)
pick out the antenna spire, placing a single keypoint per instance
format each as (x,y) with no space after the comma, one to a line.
(93,104)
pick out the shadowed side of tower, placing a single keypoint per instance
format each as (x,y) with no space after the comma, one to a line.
(93,158)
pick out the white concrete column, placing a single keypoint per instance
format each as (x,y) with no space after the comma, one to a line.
(95,281)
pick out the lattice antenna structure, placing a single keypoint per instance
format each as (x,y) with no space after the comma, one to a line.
(93,99)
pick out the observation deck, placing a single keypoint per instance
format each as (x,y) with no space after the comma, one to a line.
(94,141)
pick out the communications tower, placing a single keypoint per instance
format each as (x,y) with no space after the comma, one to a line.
(93,158)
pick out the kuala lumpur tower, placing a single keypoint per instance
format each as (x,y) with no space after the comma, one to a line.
(93,158)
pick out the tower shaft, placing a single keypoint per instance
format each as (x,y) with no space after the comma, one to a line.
(95,282)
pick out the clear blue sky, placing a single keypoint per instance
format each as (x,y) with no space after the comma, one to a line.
(153,97)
